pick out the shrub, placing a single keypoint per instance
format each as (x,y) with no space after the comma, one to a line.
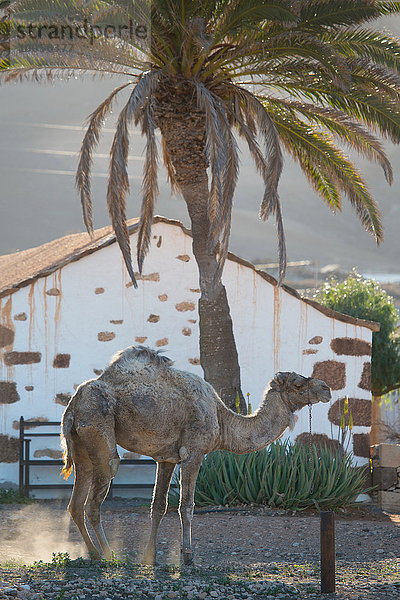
(12,497)
(365,299)
(283,475)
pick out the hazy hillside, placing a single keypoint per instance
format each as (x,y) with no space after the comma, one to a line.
(41,130)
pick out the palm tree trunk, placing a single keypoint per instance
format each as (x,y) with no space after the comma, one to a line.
(182,126)
(218,353)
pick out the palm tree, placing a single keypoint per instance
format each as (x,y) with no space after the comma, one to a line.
(304,75)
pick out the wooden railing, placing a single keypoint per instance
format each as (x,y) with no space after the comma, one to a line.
(26,462)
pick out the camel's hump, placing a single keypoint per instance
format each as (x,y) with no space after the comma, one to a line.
(142,354)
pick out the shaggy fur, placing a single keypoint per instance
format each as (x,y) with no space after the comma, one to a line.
(145,405)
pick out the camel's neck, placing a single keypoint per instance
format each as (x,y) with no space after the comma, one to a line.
(244,434)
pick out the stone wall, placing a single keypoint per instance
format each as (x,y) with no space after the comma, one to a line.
(386,475)
(63,328)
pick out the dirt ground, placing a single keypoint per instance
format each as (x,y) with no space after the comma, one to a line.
(260,542)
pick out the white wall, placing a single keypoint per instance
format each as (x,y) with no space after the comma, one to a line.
(272,328)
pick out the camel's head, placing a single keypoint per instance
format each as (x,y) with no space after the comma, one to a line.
(298,391)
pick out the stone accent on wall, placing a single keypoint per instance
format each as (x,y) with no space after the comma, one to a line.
(317,339)
(195,290)
(29,388)
(310,351)
(386,475)
(351,347)
(365,381)
(22,358)
(149,277)
(163,297)
(53,292)
(140,340)
(192,321)
(159,241)
(116,321)
(358,407)
(105,336)
(9,449)
(332,372)
(186,331)
(386,455)
(389,501)
(194,361)
(6,336)
(185,306)
(20,317)
(99,290)
(162,342)
(28,421)
(361,444)
(61,361)
(320,440)
(183,257)
(62,399)
(153,318)
(48,452)
(8,392)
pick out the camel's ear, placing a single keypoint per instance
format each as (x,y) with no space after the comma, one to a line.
(279,380)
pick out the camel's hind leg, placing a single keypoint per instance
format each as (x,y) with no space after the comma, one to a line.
(104,457)
(189,471)
(83,480)
(158,508)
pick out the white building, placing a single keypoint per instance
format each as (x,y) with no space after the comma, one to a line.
(68,305)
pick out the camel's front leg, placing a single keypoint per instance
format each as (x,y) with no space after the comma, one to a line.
(189,471)
(158,508)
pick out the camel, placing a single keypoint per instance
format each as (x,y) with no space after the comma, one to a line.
(145,405)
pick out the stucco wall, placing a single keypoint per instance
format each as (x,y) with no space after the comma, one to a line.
(72,321)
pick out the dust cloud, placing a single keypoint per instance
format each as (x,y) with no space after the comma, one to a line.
(32,533)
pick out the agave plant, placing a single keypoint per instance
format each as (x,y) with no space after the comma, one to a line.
(284,475)
(299,76)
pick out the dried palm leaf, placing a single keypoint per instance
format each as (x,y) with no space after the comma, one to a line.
(215,149)
(118,185)
(89,144)
(150,184)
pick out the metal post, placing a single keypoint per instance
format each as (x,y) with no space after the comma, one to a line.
(327,552)
(27,460)
(21,456)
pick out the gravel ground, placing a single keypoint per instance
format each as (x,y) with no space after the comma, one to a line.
(252,554)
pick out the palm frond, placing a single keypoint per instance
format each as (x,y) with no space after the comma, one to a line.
(118,185)
(150,185)
(89,144)
(381,48)
(230,177)
(216,153)
(374,78)
(335,121)
(169,167)
(335,13)
(252,118)
(301,140)
(238,16)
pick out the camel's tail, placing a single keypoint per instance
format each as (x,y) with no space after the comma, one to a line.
(66,428)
